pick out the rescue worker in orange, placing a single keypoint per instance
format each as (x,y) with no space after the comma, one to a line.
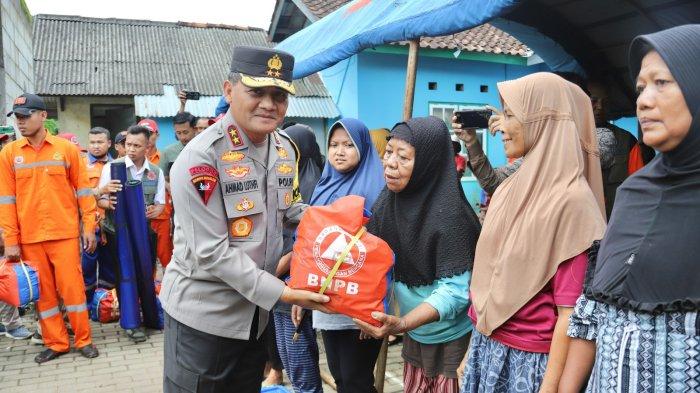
(42,186)
(161,224)
(97,156)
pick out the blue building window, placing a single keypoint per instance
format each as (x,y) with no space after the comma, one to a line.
(445,111)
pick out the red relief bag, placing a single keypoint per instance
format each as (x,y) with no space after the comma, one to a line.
(335,235)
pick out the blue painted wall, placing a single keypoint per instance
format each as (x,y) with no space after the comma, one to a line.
(376,80)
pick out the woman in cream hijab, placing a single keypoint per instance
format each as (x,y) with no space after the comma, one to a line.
(531,257)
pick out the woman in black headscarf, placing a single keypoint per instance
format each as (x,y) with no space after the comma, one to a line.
(637,326)
(426,219)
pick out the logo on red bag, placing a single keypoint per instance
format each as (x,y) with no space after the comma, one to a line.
(330,244)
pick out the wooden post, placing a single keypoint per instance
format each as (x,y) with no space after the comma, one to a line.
(381,366)
(411,67)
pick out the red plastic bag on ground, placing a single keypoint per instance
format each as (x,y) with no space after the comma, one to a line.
(325,235)
(19,283)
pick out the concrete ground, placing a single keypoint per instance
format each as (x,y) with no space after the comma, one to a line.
(121,367)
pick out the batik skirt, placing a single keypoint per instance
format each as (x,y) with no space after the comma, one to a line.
(639,352)
(493,367)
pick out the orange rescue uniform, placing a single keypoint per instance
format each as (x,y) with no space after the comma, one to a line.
(161,224)
(41,190)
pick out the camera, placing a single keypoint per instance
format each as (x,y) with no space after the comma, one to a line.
(474,118)
(192,95)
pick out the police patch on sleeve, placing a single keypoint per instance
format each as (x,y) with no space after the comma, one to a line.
(204,179)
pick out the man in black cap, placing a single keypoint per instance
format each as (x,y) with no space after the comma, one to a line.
(232,189)
(45,196)
(119,144)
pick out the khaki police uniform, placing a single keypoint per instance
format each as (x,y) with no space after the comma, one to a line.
(231,199)
(228,239)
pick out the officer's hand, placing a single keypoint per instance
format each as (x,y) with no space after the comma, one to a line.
(297,314)
(111,187)
(305,299)
(89,242)
(12,253)
(390,325)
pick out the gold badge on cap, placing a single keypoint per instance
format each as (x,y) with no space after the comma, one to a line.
(274,65)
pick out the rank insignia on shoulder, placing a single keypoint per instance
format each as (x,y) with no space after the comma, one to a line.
(245,204)
(241,227)
(282,152)
(238,171)
(284,169)
(204,179)
(235,136)
(232,156)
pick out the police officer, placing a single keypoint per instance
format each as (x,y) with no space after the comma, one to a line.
(232,188)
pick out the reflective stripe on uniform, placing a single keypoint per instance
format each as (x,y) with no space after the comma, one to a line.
(48,313)
(42,164)
(84,192)
(76,308)
(7,200)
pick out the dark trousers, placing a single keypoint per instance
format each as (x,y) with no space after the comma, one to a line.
(204,363)
(273,355)
(351,360)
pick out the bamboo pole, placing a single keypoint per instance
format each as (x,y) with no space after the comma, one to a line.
(411,68)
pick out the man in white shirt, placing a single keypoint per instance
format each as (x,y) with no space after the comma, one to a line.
(153,183)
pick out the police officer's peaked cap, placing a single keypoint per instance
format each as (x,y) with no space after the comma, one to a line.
(260,67)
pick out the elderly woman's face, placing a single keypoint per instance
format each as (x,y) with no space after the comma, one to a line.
(399,157)
(661,108)
(513,139)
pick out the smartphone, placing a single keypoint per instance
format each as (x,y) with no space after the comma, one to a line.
(192,95)
(474,118)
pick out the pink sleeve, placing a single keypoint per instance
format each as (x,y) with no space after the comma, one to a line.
(567,283)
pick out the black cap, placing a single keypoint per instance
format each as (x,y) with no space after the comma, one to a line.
(261,67)
(121,136)
(25,103)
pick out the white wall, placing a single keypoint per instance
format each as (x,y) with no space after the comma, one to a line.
(17,53)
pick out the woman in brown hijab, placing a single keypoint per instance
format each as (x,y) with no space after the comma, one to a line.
(531,257)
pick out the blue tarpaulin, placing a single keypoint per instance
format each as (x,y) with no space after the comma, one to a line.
(362,24)
(130,317)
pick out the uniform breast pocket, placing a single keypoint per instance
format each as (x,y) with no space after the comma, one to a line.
(55,170)
(245,212)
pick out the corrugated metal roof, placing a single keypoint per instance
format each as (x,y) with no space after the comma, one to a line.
(167,105)
(89,56)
